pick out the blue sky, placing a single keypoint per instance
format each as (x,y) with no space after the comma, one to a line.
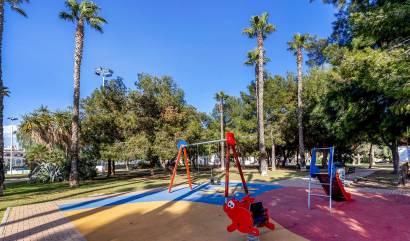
(198,43)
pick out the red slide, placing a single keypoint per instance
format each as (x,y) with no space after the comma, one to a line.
(338,191)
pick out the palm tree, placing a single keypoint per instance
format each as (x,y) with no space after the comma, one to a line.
(50,129)
(14,5)
(252,60)
(221,97)
(80,13)
(298,43)
(259,29)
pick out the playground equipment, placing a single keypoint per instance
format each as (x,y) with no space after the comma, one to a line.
(330,181)
(182,150)
(246,214)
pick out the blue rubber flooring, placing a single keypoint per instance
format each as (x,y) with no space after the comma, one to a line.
(204,193)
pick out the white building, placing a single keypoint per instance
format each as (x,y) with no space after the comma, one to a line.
(19,164)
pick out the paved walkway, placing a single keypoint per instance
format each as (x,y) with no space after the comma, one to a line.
(16,180)
(38,222)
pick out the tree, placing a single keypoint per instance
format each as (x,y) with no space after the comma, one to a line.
(102,124)
(260,28)
(298,43)
(280,103)
(379,77)
(14,5)
(252,60)
(221,97)
(82,13)
(44,127)
(157,109)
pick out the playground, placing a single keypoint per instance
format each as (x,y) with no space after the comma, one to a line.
(198,215)
(290,209)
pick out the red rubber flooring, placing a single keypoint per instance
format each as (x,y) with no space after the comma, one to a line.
(367,217)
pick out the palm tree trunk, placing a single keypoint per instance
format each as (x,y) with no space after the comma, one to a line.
(300,113)
(79,44)
(221,110)
(2,173)
(261,130)
(257,90)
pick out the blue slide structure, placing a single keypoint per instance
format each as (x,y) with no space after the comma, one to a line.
(330,181)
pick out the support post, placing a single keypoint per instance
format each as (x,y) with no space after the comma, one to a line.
(309,186)
(187,168)
(238,164)
(330,181)
(174,172)
(227,174)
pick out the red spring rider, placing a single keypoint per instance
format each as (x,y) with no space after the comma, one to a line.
(246,215)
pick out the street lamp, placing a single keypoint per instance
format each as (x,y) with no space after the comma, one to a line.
(104,72)
(12,119)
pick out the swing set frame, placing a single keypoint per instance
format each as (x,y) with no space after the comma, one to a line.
(246,214)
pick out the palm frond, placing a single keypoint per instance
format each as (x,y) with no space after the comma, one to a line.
(97,20)
(250,32)
(96,23)
(270,28)
(15,6)
(72,14)
(72,5)
(4,91)
(16,2)
(299,41)
(88,9)
(264,18)
(17,9)
(253,57)
(66,16)
(259,25)
(97,27)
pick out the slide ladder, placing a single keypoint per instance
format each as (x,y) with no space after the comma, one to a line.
(330,181)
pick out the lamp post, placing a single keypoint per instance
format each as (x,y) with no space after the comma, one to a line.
(12,119)
(103,72)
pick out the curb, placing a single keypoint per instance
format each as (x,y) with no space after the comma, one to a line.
(4,220)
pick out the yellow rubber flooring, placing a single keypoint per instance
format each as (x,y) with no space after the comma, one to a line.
(163,221)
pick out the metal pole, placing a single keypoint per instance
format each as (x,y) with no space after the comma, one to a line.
(197,159)
(12,119)
(310,179)
(206,142)
(11,149)
(331,181)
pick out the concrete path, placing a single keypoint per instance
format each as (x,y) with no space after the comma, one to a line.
(37,222)
(359,173)
(15,180)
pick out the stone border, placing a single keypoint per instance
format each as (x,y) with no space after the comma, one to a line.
(4,220)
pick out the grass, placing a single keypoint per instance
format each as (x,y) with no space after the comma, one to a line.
(382,178)
(18,194)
